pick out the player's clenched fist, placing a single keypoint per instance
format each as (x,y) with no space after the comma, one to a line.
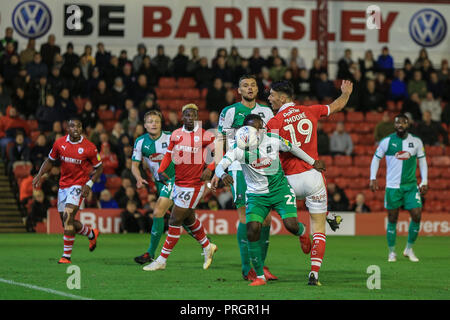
(346,86)
(373,185)
(227,179)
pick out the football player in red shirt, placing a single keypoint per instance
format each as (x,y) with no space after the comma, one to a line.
(298,124)
(188,150)
(77,156)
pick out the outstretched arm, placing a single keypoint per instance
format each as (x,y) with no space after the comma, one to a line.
(339,104)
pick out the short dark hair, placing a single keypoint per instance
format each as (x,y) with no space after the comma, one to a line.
(402,115)
(283,87)
(251,117)
(74,118)
(247,76)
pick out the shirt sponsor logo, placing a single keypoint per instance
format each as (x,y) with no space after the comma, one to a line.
(187,148)
(261,163)
(402,155)
(71,160)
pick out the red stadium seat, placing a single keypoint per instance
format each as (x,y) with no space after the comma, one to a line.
(204,92)
(333,172)
(362,128)
(445,174)
(363,161)
(336,117)
(113,183)
(376,206)
(168,93)
(21,169)
(328,127)
(105,115)
(374,117)
(434,151)
(343,183)
(353,172)
(351,194)
(167,82)
(32,125)
(356,138)
(359,150)
(328,160)
(434,173)
(441,161)
(34,135)
(354,116)
(342,161)
(186,83)
(109,124)
(165,104)
(191,94)
(358,184)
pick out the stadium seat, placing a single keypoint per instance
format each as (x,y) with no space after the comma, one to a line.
(433,173)
(203,115)
(445,174)
(336,117)
(328,160)
(354,116)
(167,82)
(186,83)
(105,115)
(168,93)
(342,161)
(109,124)
(34,135)
(363,161)
(359,150)
(333,172)
(373,117)
(369,195)
(391,105)
(434,151)
(80,102)
(351,194)
(328,127)
(376,206)
(113,182)
(191,94)
(343,183)
(203,93)
(358,184)
(21,169)
(352,173)
(355,138)
(32,125)
(362,128)
(441,161)
(165,104)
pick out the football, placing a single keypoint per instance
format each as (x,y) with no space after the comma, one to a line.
(247,138)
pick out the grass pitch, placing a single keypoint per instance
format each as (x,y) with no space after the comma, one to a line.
(111,273)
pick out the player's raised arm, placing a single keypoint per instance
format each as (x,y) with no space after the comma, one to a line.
(339,104)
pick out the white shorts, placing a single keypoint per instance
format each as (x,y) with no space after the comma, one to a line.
(186,197)
(310,185)
(71,195)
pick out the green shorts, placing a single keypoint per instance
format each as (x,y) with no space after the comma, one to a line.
(165,191)
(407,196)
(238,188)
(283,202)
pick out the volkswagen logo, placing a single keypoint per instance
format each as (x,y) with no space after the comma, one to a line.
(427,28)
(31,19)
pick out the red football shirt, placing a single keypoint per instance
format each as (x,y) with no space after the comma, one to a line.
(188,151)
(77,160)
(298,124)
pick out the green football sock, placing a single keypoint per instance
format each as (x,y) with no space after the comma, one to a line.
(391,234)
(157,231)
(413,232)
(243,247)
(264,239)
(301,229)
(255,256)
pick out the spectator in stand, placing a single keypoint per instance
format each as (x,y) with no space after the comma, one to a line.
(194,62)
(162,62)
(412,106)
(274,53)
(26,189)
(39,151)
(359,86)
(24,102)
(344,65)
(172,122)
(213,120)
(216,96)
(203,75)
(112,71)
(92,83)
(386,63)
(333,189)
(55,81)
(130,123)
(293,67)
(256,62)
(88,116)
(220,52)
(423,55)
(38,212)
(121,192)
(37,68)
(58,61)
(435,85)
(99,185)
(94,136)
(5,100)
(418,85)
(295,56)
(340,141)
(433,106)
(264,84)
(142,90)
(139,131)
(149,207)
(399,88)
(56,129)
(234,59)
(123,58)
(8,39)
(77,84)
(130,195)
(381,85)
(48,114)
(109,160)
(102,57)
(323,141)
(71,59)
(372,100)
(368,66)
(180,62)
(11,69)
(426,70)
(88,54)
(147,105)
(242,69)
(48,51)
(139,57)
(51,184)
(9,124)
(336,203)
(225,199)
(106,201)
(408,69)
(132,220)
(444,71)
(86,67)
(126,172)
(445,116)
(230,98)
(19,150)
(360,206)
(221,71)
(150,71)
(431,131)
(118,94)
(66,104)
(304,89)
(384,128)
(40,90)
(324,88)
(277,70)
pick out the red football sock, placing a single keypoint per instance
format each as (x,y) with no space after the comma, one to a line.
(171,241)
(85,231)
(199,233)
(68,244)
(317,251)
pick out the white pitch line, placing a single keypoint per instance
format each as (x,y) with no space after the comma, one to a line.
(30,286)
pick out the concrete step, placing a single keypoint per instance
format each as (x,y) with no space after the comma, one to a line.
(13,230)
(10,218)
(12,225)
(6,194)
(10,212)
(7,206)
